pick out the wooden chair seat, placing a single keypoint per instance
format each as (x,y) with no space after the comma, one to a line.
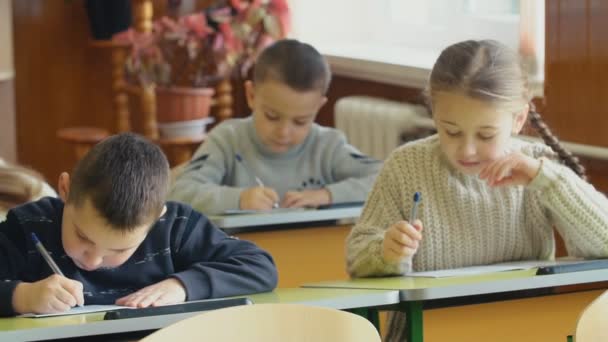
(591,325)
(268,323)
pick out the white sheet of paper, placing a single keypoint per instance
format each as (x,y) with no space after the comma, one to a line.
(474,270)
(79,310)
(251,211)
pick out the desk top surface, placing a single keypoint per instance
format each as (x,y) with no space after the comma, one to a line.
(32,329)
(285,217)
(415,288)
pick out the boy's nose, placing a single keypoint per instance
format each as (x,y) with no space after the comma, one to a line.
(283,130)
(92,260)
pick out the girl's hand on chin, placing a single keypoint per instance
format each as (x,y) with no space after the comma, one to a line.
(513,169)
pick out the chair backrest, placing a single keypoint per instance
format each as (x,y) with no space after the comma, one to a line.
(591,325)
(270,322)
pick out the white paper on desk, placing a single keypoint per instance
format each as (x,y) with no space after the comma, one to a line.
(79,310)
(251,211)
(502,267)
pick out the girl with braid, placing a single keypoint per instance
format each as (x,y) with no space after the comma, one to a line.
(487,196)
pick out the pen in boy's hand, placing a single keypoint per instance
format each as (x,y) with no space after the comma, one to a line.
(46,256)
(259,181)
(417,199)
(238,157)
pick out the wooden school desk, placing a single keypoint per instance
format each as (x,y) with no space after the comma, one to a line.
(544,317)
(307,246)
(34,329)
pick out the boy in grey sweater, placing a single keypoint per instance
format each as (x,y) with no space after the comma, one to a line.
(277,157)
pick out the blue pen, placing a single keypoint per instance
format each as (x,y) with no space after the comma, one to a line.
(45,254)
(257,179)
(47,257)
(417,199)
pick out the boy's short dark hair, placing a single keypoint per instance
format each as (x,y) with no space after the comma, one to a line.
(126,177)
(296,64)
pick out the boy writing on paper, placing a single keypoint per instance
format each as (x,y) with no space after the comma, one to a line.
(117,241)
(278,155)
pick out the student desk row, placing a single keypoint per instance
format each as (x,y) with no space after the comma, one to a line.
(406,294)
(552,315)
(35,329)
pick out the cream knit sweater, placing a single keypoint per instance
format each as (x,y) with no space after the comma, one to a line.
(466,222)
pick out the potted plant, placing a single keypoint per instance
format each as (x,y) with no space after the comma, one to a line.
(182,59)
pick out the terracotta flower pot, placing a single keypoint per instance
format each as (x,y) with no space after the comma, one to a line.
(183,104)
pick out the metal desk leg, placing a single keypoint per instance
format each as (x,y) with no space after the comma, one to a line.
(369,314)
(413,313)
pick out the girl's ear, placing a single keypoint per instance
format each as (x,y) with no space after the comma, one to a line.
(520,120)
(63,185)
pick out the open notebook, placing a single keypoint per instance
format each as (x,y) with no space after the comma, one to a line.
(79,310)
(120,312)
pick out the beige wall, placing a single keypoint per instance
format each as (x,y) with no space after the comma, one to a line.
(6,37)
(8,148)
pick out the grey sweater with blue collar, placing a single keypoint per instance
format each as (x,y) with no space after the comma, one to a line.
(215,177)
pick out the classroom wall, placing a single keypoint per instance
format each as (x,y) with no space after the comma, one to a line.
(8,143)
(63,81)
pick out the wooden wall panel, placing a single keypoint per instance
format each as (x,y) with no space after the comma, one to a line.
(576,88)
(60,81)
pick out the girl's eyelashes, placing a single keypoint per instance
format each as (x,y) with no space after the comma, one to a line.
(300,122)
(486,137)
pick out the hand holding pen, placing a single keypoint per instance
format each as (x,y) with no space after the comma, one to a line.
(257,198)
(55,293)
(402,239)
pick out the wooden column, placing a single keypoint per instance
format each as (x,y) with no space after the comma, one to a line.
(121,100)
(142,22)
(143,11)
(223,101)
(148,109)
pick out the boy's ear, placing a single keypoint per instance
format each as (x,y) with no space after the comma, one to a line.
(249,94)
(323,102)
(520,120)
(64,186)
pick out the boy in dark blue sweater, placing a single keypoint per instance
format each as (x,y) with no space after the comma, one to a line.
(117,241)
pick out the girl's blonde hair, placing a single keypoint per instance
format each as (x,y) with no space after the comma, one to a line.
(489,71)
(18,185)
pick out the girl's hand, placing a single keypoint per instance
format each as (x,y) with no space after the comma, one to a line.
(513,169)
(168,291)
(306,198)
(401,240)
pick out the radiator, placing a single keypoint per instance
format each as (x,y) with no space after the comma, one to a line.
(377,126)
